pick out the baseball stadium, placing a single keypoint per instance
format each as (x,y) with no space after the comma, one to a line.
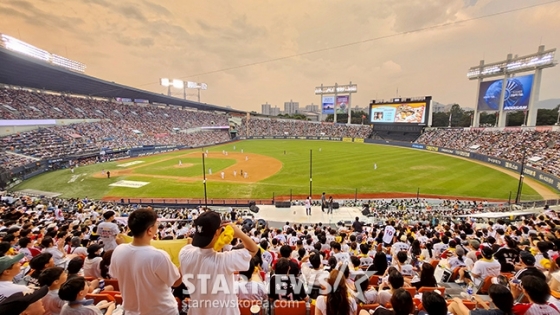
(75,146)
(323,192)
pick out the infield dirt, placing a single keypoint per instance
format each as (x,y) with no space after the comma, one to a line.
(256,167)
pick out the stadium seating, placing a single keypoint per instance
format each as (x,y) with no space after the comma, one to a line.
(505,144)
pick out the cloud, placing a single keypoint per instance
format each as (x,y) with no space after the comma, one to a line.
(98,2)
(32,15)
(131,12)
(412,15)
(390,67)
(134,41)
(157,8)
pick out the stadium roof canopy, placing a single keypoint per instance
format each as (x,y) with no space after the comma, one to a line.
(20,70)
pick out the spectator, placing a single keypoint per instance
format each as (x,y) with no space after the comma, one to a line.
(9,268)
(25,244)
(105,263)
(402,265)
(395,282)
(75,267)
(25,303)
(249,289)
(507,255)
(53,278)
(426,278)
(38,264)
(108,231)
(91,264)
(379,263)
(337,298)
(538,293)
(76,247)
(486,267)
(314,274)
(402,304)
(140,265)
(500,296)
(74,291)
(58,254)
(365,294)
(212,267)
(434,304)
(283,285)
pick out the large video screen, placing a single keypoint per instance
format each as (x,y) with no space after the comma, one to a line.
(408,113)
(517,94)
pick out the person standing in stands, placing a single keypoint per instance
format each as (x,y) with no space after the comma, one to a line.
(308,206)
(108,231)
(209,273)
(145,274)
(330,204)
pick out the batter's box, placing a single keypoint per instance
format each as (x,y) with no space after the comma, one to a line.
(129,184)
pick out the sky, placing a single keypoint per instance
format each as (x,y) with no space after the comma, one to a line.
(250,52)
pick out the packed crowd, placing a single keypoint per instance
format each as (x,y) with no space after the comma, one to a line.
(45,143)
(9,161)
(283,127)
(33,105)
(506,144)
(84,138)
(119,126)
(83,257)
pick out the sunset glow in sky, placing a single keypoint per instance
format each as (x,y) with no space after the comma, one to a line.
(250,52)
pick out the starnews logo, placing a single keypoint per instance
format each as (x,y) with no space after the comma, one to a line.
(283,286)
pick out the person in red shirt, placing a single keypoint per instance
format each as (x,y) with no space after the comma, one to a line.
(538,293)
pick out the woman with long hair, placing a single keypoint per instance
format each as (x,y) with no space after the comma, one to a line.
(415,250)
(427,278)
(337,301)
(105,263)
(379,264)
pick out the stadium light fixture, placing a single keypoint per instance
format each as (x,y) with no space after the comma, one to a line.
(535,61)
(184,85)
(178,84)
(21,47)
(164,82)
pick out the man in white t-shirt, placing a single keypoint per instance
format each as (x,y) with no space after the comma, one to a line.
(340,256)
(485,267)
(208,273)
(400,245)
(108,231)
(146,274)
(9,268)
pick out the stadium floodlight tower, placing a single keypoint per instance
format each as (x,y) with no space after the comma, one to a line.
(21,47)
(184,85)
(511,93)
(178,84)
(338,102)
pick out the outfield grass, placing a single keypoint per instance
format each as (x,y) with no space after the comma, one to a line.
(338,168)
